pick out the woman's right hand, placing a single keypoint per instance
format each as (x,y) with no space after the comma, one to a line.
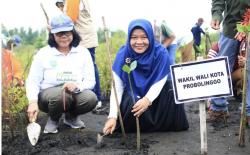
(109,126)
(32,112)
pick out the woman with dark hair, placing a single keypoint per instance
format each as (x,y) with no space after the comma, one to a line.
(61,78)
(75,42)
(154,101)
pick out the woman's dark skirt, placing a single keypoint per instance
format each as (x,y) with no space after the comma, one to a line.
(162,115)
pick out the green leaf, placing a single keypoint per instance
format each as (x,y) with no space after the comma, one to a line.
(248,28)
(240,28)
(133,65)
(126,69)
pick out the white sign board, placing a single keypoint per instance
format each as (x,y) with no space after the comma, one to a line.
(201,80)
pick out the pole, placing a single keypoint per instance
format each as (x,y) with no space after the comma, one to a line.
(112,78)
(203,127)
(244,100)
(203,124)
(208,43)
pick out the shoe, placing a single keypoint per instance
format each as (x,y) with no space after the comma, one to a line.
(99,105)
(51,126)
(74,122)
(217,116)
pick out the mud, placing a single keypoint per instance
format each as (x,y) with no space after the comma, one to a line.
(222,138)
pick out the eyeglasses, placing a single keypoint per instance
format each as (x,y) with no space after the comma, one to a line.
(66,33)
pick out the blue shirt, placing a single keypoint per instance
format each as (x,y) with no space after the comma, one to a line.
(197,30)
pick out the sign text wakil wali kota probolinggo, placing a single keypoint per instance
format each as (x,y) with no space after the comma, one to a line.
(201,80)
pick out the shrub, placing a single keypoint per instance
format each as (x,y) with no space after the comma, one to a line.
(116,41)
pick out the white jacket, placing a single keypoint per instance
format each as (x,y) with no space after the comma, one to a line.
(51,68)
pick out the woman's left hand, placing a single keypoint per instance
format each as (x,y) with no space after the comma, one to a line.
(141,106)
(70,87)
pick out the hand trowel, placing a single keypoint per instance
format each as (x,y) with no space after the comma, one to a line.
(33,131)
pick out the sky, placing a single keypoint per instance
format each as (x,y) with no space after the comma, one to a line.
(180,15)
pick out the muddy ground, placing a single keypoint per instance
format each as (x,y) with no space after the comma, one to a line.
(221,140)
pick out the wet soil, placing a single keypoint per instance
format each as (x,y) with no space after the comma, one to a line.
(222,139)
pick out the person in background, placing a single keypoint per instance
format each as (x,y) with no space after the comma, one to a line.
(60,4)
(167,40)
(157,32)
(196,31)
(12,71)
(79,12)
(154,102)
(61,78)
(11,66)
(237,73)
(230,12)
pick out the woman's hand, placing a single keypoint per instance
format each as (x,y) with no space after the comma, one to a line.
(241,61)
(32,111)
(141,106)
(71,87)
(109,126)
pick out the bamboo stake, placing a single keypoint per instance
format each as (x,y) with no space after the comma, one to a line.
(243,109)
(11,87)
(208,43)
(112,78)
(45,13)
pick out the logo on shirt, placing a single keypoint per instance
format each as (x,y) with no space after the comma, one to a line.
(53,63)
(66,77)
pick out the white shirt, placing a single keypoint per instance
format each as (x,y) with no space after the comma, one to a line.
(152,93)
(51,68)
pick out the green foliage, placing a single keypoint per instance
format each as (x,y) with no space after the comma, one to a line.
(130,68)
(117,39)
(101,35)
(14,105)
(133,65)
(17,99)
(25,53)
(243,28)
(214,38)
(126,69)
(178,56)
